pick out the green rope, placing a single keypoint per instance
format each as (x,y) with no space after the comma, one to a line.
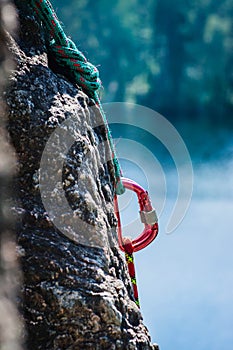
(67,56)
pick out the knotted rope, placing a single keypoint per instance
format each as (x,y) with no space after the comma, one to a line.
(65,55)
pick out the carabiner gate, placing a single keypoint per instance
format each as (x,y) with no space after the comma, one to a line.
(147,214)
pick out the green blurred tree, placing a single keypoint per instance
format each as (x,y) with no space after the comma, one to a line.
(175,57)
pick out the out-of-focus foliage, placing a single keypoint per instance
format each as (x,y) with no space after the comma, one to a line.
(173,56)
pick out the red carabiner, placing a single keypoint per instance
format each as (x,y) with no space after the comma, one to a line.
(148,218)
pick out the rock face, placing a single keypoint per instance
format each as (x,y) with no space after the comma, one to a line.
(10,325)
(76,289)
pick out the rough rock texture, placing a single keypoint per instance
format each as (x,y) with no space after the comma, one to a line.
(10,325)
(76,290)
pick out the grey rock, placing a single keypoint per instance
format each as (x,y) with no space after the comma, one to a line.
(76,288)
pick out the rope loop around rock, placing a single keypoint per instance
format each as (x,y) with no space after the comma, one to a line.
(65,52)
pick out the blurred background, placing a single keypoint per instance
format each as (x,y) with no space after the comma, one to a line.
(175,57)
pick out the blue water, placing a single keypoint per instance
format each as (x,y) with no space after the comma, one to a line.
(186,278)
